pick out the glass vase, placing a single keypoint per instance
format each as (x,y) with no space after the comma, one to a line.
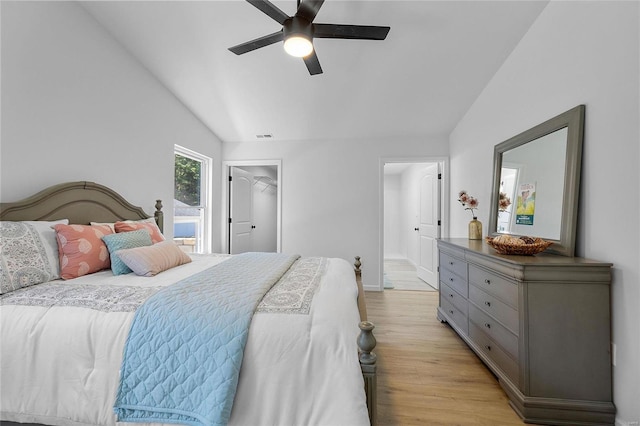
(475,229)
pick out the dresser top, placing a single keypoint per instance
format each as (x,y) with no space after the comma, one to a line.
(480,247)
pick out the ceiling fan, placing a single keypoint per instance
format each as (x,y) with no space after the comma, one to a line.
(298,32)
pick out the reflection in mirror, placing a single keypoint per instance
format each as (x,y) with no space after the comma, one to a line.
(538,171)
(508,179)
(533,175)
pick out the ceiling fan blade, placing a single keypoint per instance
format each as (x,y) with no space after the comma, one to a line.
(270,9)
(361,32)
(308,9)
(312,63)
(257,43)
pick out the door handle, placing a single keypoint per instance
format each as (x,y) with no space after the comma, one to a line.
(416,229)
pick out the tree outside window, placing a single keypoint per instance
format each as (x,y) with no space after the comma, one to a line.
(187,180)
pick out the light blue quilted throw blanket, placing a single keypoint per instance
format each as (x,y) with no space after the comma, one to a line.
(183,354)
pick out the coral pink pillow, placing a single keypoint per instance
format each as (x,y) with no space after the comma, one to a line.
(81,249)
(150,227)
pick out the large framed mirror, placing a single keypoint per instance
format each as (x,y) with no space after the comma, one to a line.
(536,182)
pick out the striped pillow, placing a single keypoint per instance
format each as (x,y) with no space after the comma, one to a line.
(151,260)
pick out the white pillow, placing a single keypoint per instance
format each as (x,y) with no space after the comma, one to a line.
(151,260)
(28,253)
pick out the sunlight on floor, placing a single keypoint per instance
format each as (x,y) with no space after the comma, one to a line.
(400,274)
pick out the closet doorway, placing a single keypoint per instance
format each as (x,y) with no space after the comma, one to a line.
(411,224)
(252,210)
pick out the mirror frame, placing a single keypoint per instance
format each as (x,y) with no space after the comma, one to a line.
(573,120)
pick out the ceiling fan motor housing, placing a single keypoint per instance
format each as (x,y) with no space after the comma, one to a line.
(298,27)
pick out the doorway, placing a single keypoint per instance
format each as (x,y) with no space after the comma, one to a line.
(252,194)
(412,211)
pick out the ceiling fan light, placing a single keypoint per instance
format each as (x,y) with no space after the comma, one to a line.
(298,46)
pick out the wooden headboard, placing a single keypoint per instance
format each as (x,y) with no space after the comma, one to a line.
(81,202)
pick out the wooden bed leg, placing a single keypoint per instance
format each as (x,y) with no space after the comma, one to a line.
(366,343)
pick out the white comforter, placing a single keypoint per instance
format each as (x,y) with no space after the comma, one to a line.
(60,365)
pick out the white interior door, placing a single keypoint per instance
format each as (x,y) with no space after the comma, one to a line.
(241,218)
(428,228)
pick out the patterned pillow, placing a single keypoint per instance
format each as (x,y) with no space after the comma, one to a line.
(81,250)
(150,227)
(125,240)
(28,254)
(151,260)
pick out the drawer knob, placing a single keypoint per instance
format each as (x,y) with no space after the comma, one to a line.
(451,279)
(486,324)
(488,281)
(450,294)
(487,347)
(451,312)
(451,263)
(488,303)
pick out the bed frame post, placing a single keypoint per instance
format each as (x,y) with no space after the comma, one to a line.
(159,215)
(362,305)
(366,343)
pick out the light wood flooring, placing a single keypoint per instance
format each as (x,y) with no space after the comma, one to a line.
(426,374)
(401,275)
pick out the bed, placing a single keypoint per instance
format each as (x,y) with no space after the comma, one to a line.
(67,345)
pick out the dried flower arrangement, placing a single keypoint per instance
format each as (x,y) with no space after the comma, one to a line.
(469,202)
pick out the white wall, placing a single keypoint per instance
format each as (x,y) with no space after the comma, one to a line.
(330,193)
(77,106)
(575,53)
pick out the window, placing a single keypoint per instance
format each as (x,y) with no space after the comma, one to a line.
(191,214)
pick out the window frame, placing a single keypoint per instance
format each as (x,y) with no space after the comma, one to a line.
(203,226)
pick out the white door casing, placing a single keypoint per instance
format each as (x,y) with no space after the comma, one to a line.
(428,229)
(241,199)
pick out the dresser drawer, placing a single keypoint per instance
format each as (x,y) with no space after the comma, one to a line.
(496,308)
(453,297)
(454,281)
(495,330)
(458,317)
(493,350)
(503,289)
(455,265)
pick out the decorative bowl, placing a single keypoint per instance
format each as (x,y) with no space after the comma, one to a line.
(528,247)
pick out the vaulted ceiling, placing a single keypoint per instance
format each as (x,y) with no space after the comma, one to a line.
(419,82)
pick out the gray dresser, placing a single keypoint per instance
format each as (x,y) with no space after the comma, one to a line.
(540,323)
